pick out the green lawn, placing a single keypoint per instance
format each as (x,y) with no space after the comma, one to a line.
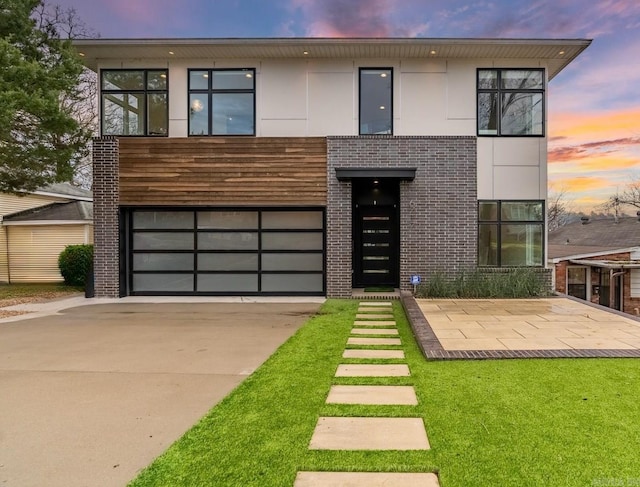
(15,291)
(504,423)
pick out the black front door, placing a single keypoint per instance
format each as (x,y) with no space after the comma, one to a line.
(376,252)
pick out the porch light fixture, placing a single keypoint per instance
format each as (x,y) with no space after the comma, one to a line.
(171,52)
(432,52)
(561,53)
(248,75)
(81,54)
(306,53)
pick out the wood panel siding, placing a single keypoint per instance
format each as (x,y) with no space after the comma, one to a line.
(231,171)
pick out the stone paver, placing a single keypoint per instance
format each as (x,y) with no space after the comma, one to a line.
(373,316)
(374,323)
(380,395)
(369,434)
(365,479)
(379,331)
(373,354)
(375,303)
(373,370)
(373,341)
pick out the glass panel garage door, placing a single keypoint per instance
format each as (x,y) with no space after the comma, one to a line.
(225,251)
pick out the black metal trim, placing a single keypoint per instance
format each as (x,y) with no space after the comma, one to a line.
(498,222)
(371,68)
(210,91)
(145,92)
(499,91)
(402,173)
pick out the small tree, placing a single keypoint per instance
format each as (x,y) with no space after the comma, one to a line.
(558,211)
(39,70)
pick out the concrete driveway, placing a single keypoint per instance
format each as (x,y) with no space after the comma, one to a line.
(91,395)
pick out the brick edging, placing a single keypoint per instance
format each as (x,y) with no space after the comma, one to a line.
(432,348)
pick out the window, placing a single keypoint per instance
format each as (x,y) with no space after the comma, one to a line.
(222,102)
(376,101)
(134,102)
(510,233)
(511,102)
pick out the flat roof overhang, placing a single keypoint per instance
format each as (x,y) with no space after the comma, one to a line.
(556,53)
(607,264)
(404,174)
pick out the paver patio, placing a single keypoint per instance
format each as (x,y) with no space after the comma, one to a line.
(520,328)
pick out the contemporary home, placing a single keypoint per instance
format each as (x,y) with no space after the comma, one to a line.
(316,166)
(35,227)
(599,261)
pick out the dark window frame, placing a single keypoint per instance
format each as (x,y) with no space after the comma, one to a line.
(391,74)
(499,91)
(209,91)
(192,212)
(498,222)
(145,91)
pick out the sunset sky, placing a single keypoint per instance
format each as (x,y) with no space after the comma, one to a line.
(594,106)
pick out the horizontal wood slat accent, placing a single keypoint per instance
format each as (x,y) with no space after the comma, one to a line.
(233,171)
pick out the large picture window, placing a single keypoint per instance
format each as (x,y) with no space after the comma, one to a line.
(222,102)
(376,101)
(511,102)
(510,233)
(134,102)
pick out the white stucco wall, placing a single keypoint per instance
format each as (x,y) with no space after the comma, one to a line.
(317,97)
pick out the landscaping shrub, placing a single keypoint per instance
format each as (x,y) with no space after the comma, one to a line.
(508,283)
(75,263)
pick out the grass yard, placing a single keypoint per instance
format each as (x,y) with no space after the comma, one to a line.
(39,291)
(561,422)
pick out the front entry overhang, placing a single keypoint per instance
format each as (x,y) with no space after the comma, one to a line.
(401,173)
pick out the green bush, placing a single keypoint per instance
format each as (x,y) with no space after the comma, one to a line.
(75,263)
(507,283)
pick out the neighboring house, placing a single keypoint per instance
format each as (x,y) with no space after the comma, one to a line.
(37,226)
(599,261)
(315,166)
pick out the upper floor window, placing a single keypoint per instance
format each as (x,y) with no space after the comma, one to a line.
(376,101)
(510,233)
(134,102)
(222,102)
(511,102)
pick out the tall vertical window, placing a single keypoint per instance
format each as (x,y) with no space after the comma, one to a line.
(376,101)
(510,233)
(511,102)
(222,102)
(134,102)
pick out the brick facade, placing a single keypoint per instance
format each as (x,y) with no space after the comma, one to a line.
(438,210)
(106,259)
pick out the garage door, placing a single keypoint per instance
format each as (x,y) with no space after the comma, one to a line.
(225,251)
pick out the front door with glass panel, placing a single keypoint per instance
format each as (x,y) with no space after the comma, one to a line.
(376,252)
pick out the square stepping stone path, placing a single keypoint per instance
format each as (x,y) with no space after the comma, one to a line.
(370,433)
(377,395)
(365,479)
(333,433)
(375,323)
(373,370)
(374,331)
(373,341)
(372,354)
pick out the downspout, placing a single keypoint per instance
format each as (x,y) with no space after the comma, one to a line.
(612,288)
(8,256)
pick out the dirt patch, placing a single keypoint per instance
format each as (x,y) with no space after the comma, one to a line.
(40,298)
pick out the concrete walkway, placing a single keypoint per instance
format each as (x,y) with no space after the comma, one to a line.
(370,433)
(93,393)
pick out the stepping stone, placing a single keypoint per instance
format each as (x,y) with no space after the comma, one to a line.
(369,434)
(363,353)
(373,341)
(372,316)
(373,370)
(371,309)
(365,479)
(374,323)
(375,303)
(378,395)
(374,331)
